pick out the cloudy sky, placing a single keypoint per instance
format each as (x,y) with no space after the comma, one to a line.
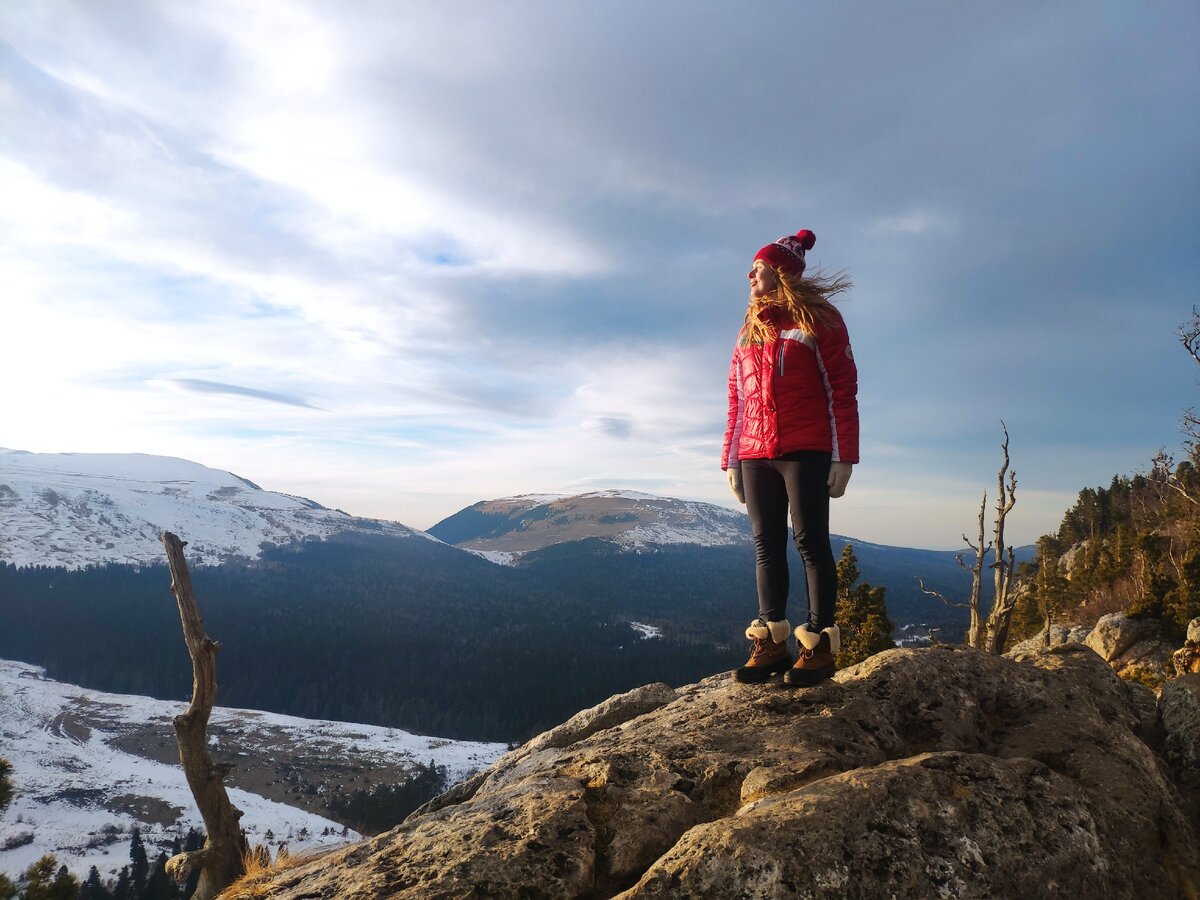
(401,257)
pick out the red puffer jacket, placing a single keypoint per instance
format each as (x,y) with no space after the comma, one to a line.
(797,391)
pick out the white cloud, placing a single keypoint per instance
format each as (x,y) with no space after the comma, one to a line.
(42,212)
(481,243)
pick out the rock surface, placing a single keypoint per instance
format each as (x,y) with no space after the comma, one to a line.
(1181,724)
(1059,634)
(1180,707)
(1115,635)
(936,772)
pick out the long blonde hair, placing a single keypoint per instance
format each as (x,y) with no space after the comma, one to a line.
(805,300)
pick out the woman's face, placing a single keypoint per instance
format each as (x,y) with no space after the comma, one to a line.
(762,279)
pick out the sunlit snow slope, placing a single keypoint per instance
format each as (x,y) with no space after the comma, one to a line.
(77,509)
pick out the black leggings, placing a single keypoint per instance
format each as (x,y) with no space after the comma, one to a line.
(799,480)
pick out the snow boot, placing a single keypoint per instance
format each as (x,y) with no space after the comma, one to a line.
(769,654)
(815,659)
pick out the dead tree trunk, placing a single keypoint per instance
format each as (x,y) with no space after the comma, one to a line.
(221,858)
(975,634)
(1005,599)
(975,629)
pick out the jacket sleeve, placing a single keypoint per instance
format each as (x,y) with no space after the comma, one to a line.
(733,423)
(841,389)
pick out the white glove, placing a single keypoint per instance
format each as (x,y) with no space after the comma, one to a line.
(839,477)
(734,474)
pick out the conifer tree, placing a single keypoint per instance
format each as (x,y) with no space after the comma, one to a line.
(36,879)
(47,880)
(93,888)
(139,863)
(193,840)
(861,614)
(159,886)
(124,887)
(8,890)
(65,885)
(6,788)
(1049,597)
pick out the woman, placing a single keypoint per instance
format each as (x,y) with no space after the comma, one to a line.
(791,441)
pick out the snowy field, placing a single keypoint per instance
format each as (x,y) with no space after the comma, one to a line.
(80,787)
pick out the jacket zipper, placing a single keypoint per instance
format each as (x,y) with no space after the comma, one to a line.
(779,365)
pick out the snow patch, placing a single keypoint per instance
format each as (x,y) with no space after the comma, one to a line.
(499,557)
(646,631)
(528,500)
(626,495)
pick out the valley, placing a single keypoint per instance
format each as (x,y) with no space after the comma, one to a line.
(89,766)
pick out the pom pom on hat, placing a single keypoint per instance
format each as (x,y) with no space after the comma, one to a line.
(787,253)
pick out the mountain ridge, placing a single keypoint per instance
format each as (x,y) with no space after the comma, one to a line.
(73,510)
(513,526)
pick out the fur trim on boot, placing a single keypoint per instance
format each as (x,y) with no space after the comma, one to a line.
(776,631)
(815,661)
(808,639)
(769,653)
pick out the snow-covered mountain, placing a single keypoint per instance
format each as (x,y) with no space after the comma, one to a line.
(504,529)
(88,766)
(78,509)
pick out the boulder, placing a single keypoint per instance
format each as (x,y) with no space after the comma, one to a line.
(1187,658)
(934,772)
(1135,648)
(1059,634)
(1114,634)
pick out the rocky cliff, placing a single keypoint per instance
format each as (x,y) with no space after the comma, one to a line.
(939,772)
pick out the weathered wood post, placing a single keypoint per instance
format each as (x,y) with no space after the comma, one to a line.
(221,858)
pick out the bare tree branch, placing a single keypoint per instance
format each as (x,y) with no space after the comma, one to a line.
(1189,335)
(938,595)
(1163,466)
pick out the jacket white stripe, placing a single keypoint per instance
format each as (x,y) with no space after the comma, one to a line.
(833,425)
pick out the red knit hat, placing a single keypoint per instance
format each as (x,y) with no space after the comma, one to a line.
(787,253)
